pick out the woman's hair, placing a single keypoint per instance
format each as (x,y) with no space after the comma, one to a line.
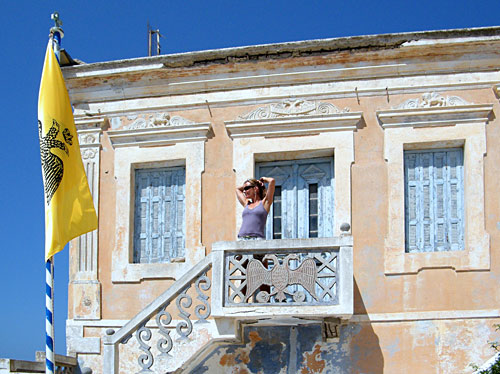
(260,185)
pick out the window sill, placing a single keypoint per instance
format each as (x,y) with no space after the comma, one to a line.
(133,273)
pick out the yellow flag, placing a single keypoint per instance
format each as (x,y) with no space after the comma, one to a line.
(69,209)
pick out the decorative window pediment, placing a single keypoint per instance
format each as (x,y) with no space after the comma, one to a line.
(427,126)
(158,129)
(156,156)
(434,110)
(293,117)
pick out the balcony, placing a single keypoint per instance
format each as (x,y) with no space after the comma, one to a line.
(283,280)
(274,282)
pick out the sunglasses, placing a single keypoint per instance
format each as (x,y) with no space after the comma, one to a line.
(246,188)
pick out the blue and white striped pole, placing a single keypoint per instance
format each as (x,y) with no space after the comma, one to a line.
(56,33)
(49,317)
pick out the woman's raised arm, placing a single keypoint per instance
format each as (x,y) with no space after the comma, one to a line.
(241,196)
(269,198)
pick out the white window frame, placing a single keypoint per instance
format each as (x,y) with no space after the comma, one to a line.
(436,127)
(173,146)
(298,137)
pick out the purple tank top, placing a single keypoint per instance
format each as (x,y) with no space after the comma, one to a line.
(254,221)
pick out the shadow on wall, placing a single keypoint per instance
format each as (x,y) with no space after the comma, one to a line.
(299,349)
(365,347)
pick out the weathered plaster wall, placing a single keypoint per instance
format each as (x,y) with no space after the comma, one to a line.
(435,346)
(379,293)
(435,321)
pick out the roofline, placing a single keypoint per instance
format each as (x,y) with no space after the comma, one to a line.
(287,49)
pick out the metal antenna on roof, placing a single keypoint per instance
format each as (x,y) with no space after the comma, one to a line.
(152,32)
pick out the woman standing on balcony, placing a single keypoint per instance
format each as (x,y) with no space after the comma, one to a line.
(257,202)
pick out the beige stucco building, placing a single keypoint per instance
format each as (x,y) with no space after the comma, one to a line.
(386,152)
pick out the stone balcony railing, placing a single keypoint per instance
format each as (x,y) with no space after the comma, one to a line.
(283,279)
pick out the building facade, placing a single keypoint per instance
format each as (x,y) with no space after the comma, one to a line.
(384,235)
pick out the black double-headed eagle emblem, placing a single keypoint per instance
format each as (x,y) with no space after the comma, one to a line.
(52,165)
(281,276)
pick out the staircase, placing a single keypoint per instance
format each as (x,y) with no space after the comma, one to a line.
(307,280)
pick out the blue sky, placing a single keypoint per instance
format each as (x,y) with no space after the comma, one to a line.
(108,30)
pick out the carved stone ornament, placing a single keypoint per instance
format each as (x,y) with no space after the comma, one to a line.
(87,138)
(157,120)
(432,100)
(89,153)
(280,277)
(293,107)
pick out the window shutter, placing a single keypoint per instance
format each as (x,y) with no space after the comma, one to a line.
(159,219)
(411,187)
(427,201)
(179,228)
(440,178)
(293,197)
(142,217)
(434,200)
(455,201)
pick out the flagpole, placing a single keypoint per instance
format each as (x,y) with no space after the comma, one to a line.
(56,34)
(49,316)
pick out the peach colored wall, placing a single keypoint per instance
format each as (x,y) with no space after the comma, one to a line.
(430,290)
(378,293)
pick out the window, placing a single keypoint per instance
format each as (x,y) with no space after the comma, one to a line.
(304,198)
(453,234)
(159,223)
(434,200)
(150,144)
(297,129)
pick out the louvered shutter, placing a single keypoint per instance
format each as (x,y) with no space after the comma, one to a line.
(455,216)
(304,196)
(159,223)
(434,200)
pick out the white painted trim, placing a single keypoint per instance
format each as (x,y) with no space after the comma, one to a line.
(96,105)
(469,129)
(425,316)
(434,116)
(246,149)
(112,71)
(190,154)
(159,136)
(293,125)
(356,318)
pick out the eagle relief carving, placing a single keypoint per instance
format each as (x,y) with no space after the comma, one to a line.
(280,277)
(52,165)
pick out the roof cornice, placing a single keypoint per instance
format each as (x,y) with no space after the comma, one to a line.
(284,50)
